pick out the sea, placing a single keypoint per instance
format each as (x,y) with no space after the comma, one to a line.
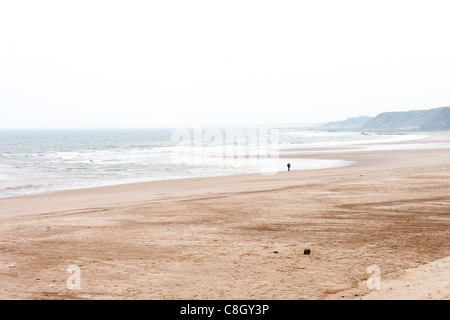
(36,161)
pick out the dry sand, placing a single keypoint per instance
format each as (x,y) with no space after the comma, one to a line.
(240,237)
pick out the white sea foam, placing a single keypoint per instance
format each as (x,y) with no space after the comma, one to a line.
(327,139)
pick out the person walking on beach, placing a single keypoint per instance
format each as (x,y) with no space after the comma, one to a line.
(289,166)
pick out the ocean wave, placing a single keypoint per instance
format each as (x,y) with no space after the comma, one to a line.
(22,187)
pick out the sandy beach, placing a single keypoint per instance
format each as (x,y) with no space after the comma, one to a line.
(241,237)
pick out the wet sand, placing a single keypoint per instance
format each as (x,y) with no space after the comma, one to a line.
(240,237)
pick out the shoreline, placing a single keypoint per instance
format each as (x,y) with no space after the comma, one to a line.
(354,159)
(339,163)
(234,237)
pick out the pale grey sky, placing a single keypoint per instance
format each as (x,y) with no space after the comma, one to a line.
(156,63)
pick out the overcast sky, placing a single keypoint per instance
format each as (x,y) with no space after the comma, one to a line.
(128,63)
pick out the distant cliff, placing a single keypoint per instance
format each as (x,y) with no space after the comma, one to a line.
(350,123)
(434,119)
(415,120)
